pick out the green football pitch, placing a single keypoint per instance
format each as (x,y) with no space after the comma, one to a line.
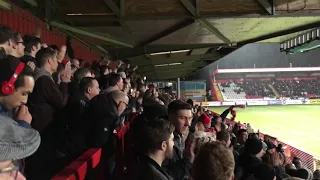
(296,125)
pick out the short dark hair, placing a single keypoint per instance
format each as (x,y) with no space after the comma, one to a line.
(43,55)
(241,131)
(16,37)
(6,34)
(177,105)
(154,133)
(7,67)
(80,73)
(85,83)
(213,161)
(30,41)
(54,47)
(114,79)
(223,136)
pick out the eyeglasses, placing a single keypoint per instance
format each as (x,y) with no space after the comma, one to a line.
(12,170)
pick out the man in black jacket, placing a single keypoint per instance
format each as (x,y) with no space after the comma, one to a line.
(180,115)
(95,128)
(44,102)
(88,89)
(158,146)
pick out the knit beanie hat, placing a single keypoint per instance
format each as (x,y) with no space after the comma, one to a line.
(205,119)
(253,146)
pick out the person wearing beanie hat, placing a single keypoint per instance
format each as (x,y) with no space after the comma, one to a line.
(253,152)
(205,119)
(254,147)
(16,143)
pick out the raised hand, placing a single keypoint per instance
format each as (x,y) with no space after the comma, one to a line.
(61,53)
(66,73)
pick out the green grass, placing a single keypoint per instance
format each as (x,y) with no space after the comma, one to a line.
(296,125)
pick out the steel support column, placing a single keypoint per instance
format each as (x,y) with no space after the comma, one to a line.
(86,33)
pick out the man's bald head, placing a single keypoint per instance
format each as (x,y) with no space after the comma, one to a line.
(121,99)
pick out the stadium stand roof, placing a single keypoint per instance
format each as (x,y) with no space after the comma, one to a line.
(169,38)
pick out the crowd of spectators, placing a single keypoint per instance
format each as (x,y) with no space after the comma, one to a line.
(72,106)
(298,88)
(286,88)
(253,89)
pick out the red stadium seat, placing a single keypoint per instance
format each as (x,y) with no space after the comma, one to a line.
(78,169)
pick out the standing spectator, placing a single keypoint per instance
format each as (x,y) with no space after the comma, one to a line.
(95,129)
(47,96)
(115,82)
(158,146)
(17,45)
(224,137)
(11,43)
(22,86)
(6,38)
(251,158)
(76,63)
(32,46)
(88,89)
(77,76)
(214,161)
(242,137)
(180,115)
(45,101)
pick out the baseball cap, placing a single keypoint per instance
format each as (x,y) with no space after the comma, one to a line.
(16,142)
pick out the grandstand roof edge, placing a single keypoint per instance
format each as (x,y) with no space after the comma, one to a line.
(258,70)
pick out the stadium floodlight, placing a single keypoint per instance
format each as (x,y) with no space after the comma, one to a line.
(259,70)
(170,64)
(302,43)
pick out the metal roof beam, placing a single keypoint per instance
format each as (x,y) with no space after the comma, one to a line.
(6,6)
(120,12)
(90,34)
(269,7)
(166,32)
(203,22)
(280,33)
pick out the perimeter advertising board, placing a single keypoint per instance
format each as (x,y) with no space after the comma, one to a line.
(192,88)
(314,101)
